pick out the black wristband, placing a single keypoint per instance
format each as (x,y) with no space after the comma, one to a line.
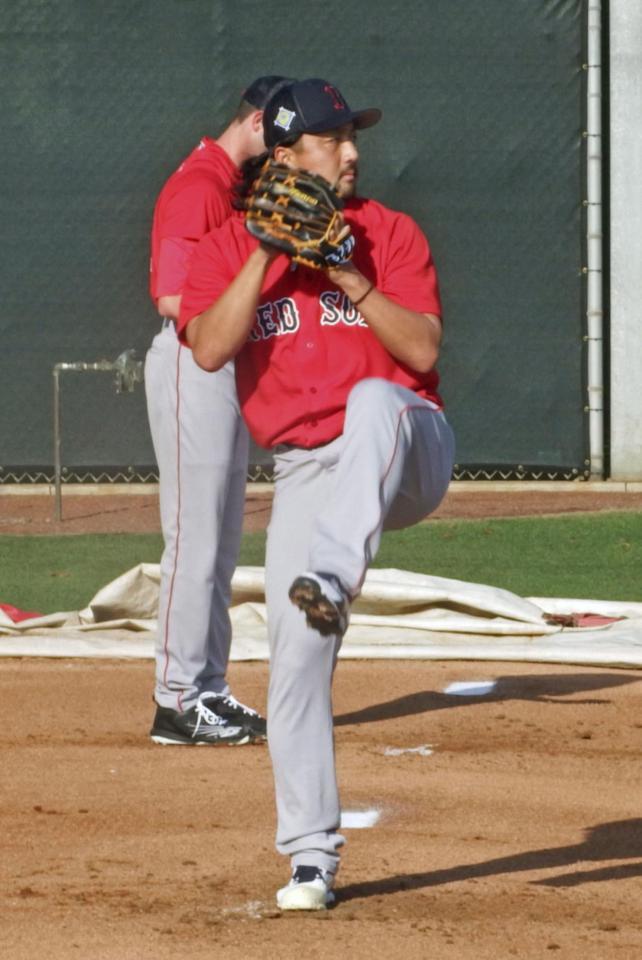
(355,303)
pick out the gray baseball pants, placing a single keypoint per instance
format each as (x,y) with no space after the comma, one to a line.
(390,468)
(201,447)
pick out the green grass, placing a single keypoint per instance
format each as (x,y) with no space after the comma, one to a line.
(597,556)
(48,574)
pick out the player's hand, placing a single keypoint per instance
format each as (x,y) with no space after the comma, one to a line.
(339,245)
(350,280)
(271,253)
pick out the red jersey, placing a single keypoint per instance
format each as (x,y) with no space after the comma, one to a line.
(194,200)
(309,345)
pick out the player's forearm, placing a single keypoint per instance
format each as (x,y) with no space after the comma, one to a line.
(412,338)
(217,334)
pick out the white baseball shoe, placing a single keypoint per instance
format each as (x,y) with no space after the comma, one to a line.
(324,601)
(310,888)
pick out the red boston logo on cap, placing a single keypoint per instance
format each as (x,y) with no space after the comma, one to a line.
(337,101)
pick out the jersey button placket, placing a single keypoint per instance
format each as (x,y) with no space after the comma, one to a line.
(312,421)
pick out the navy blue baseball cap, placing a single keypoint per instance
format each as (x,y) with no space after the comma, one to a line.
(262,89)
(310,106)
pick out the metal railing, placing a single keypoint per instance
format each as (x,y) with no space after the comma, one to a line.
(127,373)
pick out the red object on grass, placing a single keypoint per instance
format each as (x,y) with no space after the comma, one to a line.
(17,615)
(581,619)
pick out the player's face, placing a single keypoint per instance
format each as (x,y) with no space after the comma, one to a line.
(333,154)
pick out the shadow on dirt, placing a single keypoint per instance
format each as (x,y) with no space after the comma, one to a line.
(620,840)
(544,689)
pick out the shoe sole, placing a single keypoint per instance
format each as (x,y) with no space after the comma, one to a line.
(168,741)
(321,614)
(301,897)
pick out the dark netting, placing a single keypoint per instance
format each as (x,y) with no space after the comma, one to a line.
(481,142)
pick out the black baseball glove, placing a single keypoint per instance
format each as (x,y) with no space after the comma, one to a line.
(299,213)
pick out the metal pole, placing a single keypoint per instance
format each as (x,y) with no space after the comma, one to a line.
(625,230)
(56,440)
(594,302)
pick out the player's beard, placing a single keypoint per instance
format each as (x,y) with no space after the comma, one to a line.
(346,187)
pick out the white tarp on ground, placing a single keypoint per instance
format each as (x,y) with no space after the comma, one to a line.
(399,615)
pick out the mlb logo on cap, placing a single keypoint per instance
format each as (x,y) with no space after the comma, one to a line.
(284,118)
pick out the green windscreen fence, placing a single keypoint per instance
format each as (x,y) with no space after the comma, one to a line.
(481,142)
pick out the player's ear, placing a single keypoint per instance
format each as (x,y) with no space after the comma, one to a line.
(257,121)
(284,155)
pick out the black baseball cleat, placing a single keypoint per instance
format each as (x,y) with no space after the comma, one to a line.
(310,888)
(323,600)
(198,726)
(236,713)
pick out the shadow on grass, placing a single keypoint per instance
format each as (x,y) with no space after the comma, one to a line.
(620,840)
(544,689)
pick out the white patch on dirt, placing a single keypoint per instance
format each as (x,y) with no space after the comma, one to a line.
(359,819)
(471,688)
(424,750)
(254,909)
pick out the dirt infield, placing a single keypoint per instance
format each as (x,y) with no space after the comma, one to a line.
(518,836)
(515,832)
(138,513)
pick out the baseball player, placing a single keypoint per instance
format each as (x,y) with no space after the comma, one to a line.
(336,372)
(201,448)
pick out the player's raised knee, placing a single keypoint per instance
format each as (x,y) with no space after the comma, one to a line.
(372,391)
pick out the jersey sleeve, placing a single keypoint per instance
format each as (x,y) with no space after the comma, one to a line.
(174,258)
(409,274)
(209,276)
(200,205)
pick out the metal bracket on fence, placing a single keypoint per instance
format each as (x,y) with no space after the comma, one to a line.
(127,373)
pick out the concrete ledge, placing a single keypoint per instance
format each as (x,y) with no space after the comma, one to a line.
(259,489)
(545,486)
